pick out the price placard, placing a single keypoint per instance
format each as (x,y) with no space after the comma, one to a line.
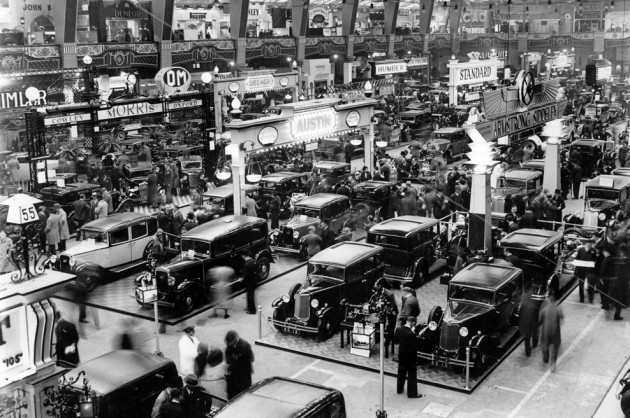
(14,351)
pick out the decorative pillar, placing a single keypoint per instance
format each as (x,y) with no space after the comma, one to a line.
(452,86)
(238,28)
(390,15)
(66,31)
(349,16)
(368,145)
(238,175)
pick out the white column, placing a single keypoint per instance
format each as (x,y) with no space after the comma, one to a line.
(480,221)
(368,145)
(238,176)
(551,175)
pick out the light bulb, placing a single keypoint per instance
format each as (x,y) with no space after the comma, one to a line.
(236,104)
(368,85)
(216,69)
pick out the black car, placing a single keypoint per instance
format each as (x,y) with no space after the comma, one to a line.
(333,171)
(369,198)
(409,243)
(604,197)
(343,273)
(481,314)
(136,173)
(184,280)
(287,185)
(220,200)
(591,151)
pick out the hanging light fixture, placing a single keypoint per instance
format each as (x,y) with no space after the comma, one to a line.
(356,141)
(223,174)
(381,144)
(216,70)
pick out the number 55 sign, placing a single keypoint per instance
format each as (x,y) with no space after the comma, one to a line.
(20,214)
(14,349)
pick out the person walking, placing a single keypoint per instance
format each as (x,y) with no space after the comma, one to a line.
(152,189)
(274,211)
(528,320)
(250,277)
(407,358)
(619,287)
(312,242)
(108,199)
(188,345)
(585,270)
(64,230)
(13,165)
(239,358)
(53,231)
(550,319)
(576,179)
(81,210)
(67,346)
(251,207)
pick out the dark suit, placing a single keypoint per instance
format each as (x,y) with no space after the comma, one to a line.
(410,307)
(173,410)
(528,220)
(407,352)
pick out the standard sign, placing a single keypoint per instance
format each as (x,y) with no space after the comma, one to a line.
(472,72)
(171,80)
(491,130)
(68,119)
(259,83)
(129,110)
(315,123)
(391,68)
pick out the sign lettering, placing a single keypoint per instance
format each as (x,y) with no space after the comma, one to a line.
(128,110)
(259,82)
(491,130)
(172,80)
(15,99)
(184,105)
(467,74)
(391,68)
(316,123)
(62,120)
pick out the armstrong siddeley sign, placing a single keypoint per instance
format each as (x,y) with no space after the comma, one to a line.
(493,129)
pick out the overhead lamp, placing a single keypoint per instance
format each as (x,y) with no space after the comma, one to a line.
(356,142)
(206,77)
(223,174)
(549,52)
(464,10)
(87,60)
(371,5)
(490,6)
(253,178)
(381,144)
(527,8)
(294,64)
(287,96)
(216,69)
(368,88)
(301,97)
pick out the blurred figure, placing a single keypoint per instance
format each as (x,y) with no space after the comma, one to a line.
(239,358)
(67,346)
(173,382)
(528,320)
(188,346)
(550,319)
(64,229)
(6,253)
(174,408)
(125,340)
(222,277)
(194,401)
(250,277)
(53,227)
(619,287)
(312,242)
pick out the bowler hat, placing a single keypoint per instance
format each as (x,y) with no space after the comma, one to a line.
(191,380)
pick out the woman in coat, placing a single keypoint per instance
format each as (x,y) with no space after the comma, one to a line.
(176,169)
(152,186)
(64,230)
(53,228)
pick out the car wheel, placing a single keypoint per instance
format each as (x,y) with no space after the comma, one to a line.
(147,251)
(185,302)
(263,267)
(625,403)
(325,327)
(303,253)
(279,315)
(421,275)
(89,280)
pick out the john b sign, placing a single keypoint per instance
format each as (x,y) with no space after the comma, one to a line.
(172,80)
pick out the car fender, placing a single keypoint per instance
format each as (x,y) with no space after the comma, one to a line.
(326,310)
(187,284)
(265,253)
(277,302)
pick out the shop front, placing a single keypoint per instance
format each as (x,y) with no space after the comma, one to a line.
(385,73)
(306,124)
(317,74)
(560,64)
(475,73)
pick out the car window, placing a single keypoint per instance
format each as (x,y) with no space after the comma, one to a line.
(504,294)
(354,273)
(138,230)
(152,226)
(327,212)
(120,236)
(257,233)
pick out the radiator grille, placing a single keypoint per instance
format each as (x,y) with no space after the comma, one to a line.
(449,337)
(302,306)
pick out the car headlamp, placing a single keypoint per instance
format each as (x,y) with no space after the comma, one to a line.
(285,298)
(53,258)
(463,331)
(171,281)
(185,177)
(601,216)
(296,235)
(72,261)
(432,325)
(314,304)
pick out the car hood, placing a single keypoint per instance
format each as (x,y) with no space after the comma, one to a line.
(179,263)
(84,247)
(599,205)
(464,312)
(296,222)
(439,142)
(504,191)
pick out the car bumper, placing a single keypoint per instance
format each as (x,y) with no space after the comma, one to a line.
(442,360)
(146,296)
(293,327)
(394,278)
(282,249)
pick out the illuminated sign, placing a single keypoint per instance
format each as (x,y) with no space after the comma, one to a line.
(418,62)
(268,135)
(14,348)
(604,72)
(390,68)
(315,123)
(186,104)
(353,119)
(63,120)
(129,110)
(171,80)
(15,99)
(259,82)
(472,72)
(493,129)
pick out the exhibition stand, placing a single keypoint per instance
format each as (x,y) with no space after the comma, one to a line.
(472,73)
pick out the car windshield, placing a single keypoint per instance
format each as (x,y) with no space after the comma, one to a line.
(442,135)
(472,294)
(507,182)
(97,236)
(606,194)
(318,273)
(189,165)
(199,247)
(388,241)
(309,212)
(216,201)
(268,184)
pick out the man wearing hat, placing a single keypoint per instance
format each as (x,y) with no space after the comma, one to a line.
(239,358)
(312,242)
(159,252)
(188,345)
(64,230)
(410,305)
(407,354)
(194,401)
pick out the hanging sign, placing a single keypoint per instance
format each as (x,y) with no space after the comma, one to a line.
(186,104)
(390,68)
(517,122)
(14,347)
(268,135)
(259,82)
(171,80)
(68,119)
(315,123)
(353,119)
(130,110)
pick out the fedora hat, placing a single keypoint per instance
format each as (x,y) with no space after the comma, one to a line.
(191,380)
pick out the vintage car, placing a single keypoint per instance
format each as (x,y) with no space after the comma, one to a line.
(621,171)
(334,209)
(597,111)
(515,182)
(541,254)
(220,200)
(136,173)
(343,273)
(286,184)
(179,150)
(333,171)
(536,165)
(108,247)
(191,172)
(562,128)
(369,198)
(449,142)
(72,191)
(604,197)
(481,314)
(415,118)
(184,281)
(409,243)
(591,151)
(281,397)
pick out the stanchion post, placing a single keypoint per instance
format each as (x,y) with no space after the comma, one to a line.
(259,313)
(381,412)
(157,318)
(467,368)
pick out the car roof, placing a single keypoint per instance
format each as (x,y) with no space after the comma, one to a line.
(320,199)
(116,369)
(330,164)
(521,174)
(403,225)
(585,141)
(531,239)
(535,163)
(345,253)
(228,190)
(276,397)
(448,130)
(210,230)
(619,182)
(621,171)
(114,220)
(279,176)
(483,275)
(374,184)
(70,187)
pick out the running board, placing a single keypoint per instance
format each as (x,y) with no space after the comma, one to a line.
(128,266)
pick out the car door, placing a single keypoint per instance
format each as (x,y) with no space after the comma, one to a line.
(120,248)
(505,304)
(139,240)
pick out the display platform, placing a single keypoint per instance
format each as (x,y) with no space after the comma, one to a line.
(429,295)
